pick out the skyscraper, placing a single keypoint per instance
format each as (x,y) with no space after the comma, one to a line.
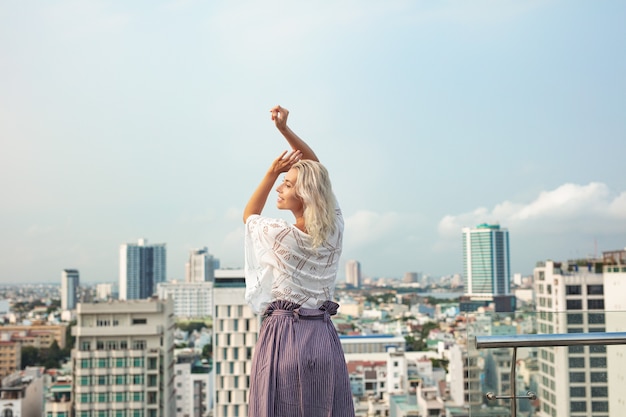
(353,273)
(69,289)
(486,261)
(142,267)
(200,267)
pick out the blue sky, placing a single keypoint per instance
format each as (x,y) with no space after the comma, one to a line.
(122,120)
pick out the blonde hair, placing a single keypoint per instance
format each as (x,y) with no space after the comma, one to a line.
(314,188)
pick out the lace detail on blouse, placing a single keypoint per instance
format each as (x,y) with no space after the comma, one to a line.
(281,264)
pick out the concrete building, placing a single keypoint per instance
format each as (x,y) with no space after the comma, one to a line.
(191,299)
(58,401)
(236,330)
(201,266)
(21,393)
(10,357)
(142,267)
(123,359)
(570,299)
(40,336)
(377,343)
(70,280)
(353,273)
(614,269)
(194,389)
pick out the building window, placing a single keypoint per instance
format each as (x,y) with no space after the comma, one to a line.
(595,289)
(576,377)
(595,304)
(595,318)
(120,397)
(139,344)
(597,362)
(120,362)
(573,290)
(123,344)
(112,345)
(576,349)
(85,398)
(137,379)
(120,379)
(577,391)
(140,321)
(576,318)
(576,362)
(103,397)
(599,392)
(85,381)
(597,349)
(85,363)
(138,362)
(137,396)
(574,304)
(577,406)
(599,406)
(597,376)
(85,346)
(103,363)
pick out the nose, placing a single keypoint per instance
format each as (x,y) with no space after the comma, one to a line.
(280,187)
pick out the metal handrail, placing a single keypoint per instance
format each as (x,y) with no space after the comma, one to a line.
(542,340)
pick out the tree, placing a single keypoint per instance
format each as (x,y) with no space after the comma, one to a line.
(207,351)
(30,356)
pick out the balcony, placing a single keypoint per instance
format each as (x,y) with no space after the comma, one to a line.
(557,364)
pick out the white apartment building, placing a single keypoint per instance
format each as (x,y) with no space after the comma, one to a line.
(22,394)
(615,305)
(573,380)
(123,364)
(236,330)
(191,299)
(194,391)
(353,273)
(59,399)
(201,266)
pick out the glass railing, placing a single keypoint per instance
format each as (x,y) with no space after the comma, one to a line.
(544,364)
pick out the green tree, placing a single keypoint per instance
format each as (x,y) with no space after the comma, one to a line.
(207,351)
(30,356)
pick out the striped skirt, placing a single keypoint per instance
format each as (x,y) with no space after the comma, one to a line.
(298,368)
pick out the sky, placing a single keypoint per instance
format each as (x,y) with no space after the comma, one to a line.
(150,119)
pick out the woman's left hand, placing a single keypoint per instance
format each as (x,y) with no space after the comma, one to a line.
(285,161)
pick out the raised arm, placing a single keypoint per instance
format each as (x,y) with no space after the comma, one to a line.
(258,199)
(279,116)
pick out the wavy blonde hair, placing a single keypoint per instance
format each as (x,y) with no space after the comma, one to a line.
(314,188)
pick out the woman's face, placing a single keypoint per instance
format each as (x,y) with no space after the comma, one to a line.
(287,198)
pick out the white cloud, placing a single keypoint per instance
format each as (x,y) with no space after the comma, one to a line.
(569,207)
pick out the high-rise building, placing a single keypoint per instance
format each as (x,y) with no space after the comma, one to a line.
(142,267)
(123,361)
(236,330)
(486,261)
(353,273)
(201,266)
(570,299)
(70,281)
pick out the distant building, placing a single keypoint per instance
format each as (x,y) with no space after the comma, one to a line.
(486,263)
(40,336)
(377,343)
(69,289)
(142,267)
(106,291)
(21,393)
(353,273)
(194,390)
(410,277)
(59,399)
(11,354)
(191,299)
(236,330)
(201,266)
(123,359)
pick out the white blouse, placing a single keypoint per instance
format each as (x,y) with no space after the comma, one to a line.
(281,264)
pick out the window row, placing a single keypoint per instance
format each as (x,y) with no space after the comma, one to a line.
(92,380)
(591,304)
(86,345)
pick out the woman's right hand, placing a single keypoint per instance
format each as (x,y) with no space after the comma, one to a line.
(285,161)
(279,116)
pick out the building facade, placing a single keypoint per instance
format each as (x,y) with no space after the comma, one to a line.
(353,273)
(486,261)
(570,299)
(70,280)
(201,266)
(235,329)
(191,299)
(123,363)
(142,267)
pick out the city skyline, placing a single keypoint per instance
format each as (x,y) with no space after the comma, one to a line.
(120,121)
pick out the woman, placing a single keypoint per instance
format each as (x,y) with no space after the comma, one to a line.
(298,368)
